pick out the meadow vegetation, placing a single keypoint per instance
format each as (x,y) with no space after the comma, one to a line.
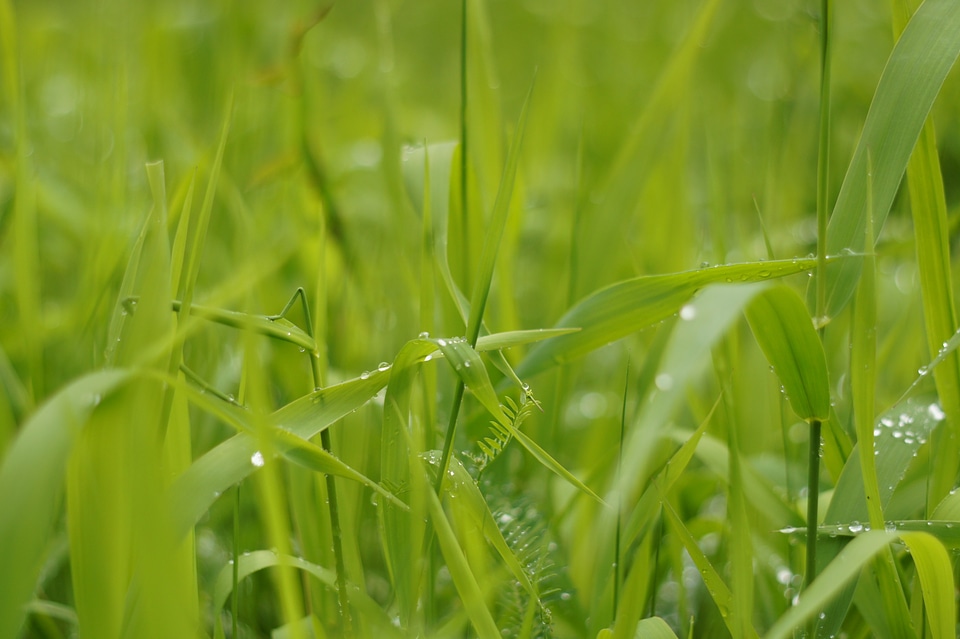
(493,318)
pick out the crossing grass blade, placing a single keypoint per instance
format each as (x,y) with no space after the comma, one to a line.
(911,81)
(631,305)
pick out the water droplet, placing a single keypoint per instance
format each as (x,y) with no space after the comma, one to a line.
(365,375)
(383,366)
(688,312)
(424,335)
(923,370)
(890,527)
(936,412)
(466,364)
(855,527)
(302,349)
(257,459)
(664,381)
(428,358)
(442,342)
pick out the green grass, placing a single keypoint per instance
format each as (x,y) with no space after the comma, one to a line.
(481,319)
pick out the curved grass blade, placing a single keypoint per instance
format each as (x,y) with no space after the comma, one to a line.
(785,333)
(31,487)
(936,581)
(628,306)
(199,486)
(252,562)
(915,71)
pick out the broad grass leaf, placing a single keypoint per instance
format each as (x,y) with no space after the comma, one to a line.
(928,208)
(785,333)
(911,81)
(31,487)
(898,434)
(631,305)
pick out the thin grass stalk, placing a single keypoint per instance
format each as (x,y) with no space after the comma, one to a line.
(823,170)
(464,199)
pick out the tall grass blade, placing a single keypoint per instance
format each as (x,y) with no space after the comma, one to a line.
(932,234)
(31,487)
(914,73)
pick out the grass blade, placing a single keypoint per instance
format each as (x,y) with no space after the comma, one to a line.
(31,487)
(914,73)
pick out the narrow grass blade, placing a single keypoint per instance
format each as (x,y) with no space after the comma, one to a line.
(785,332)
(915,71)
(31,487)
(936,580)
(718,590)
(277,328)
(463,578)
(628,306)
(498,221)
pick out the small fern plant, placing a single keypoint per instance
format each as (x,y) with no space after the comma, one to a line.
(493,445)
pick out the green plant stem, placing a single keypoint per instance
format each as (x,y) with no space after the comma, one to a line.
(343,597)
(235,597)
(813,493)
(465,218)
